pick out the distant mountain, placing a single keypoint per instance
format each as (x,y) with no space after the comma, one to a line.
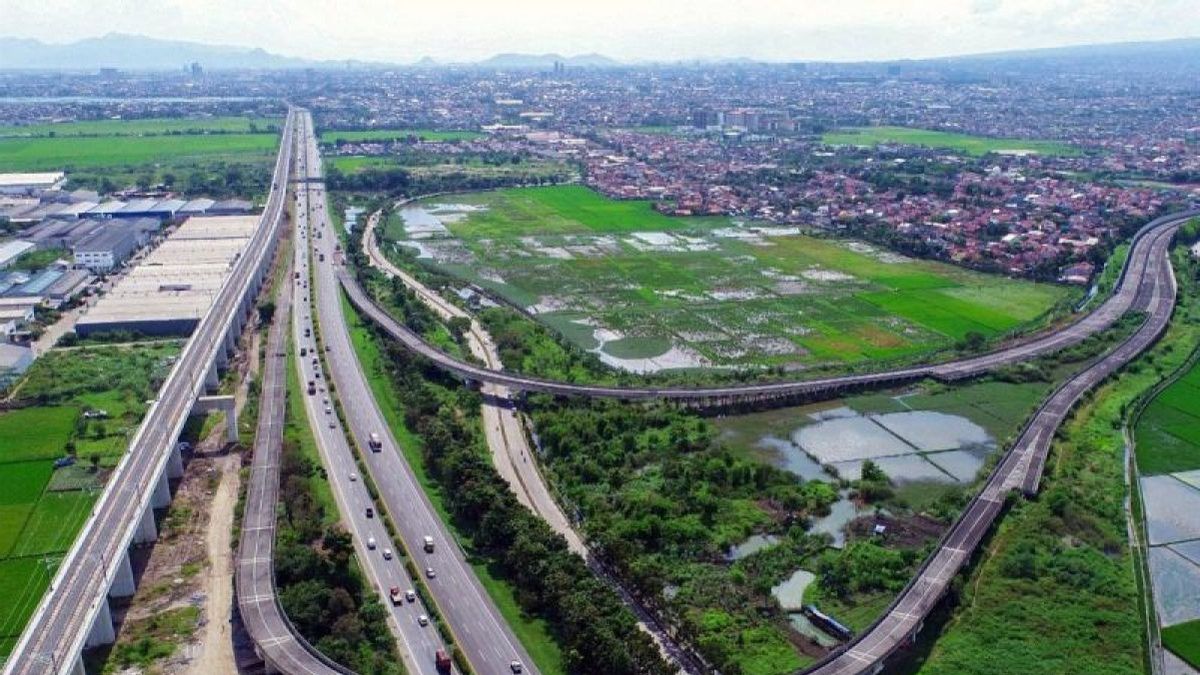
(135,52)
(545,61)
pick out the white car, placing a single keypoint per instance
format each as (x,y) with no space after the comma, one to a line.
(429,573)
(516,666)
(371,543)
(410,595)
(423,620)
(353,476)
(387,554)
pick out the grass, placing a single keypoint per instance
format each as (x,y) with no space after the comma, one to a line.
(1184,640)
(1168,432)
(22,582)
(962,143)
(1055,589)
(36,432)
(141,127)
(332,137)
(55,520)
(145,641)
(70,153)
(791,301)
(297,430)
(534,634)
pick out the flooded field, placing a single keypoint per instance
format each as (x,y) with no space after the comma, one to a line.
(1171,508)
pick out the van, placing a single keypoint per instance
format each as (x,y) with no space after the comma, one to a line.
(375,442)
(371,543)
(428,544)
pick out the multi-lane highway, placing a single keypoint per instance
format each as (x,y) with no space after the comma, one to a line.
(382,564)
(479,631)
(1141,263)
(56,633)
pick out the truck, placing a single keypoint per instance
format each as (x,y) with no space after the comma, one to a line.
(442,660)
(395,595)
(321,258)
(428,544)
(827,623)
(375,442)
(312,388)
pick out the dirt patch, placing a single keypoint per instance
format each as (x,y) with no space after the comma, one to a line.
(907,532)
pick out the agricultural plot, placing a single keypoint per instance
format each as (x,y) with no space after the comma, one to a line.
(84,152)
(962,143)
(142,127)
(649,292)
(1168,432)
(91,399)
(332,137)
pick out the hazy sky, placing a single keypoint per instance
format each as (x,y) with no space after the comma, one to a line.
(404,30)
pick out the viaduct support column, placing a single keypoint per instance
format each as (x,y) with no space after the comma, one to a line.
(103,632)
(147,530)
(175,462)
(123,585)
(162,493)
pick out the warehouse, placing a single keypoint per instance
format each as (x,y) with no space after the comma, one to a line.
(11,250)
(169,291)
(30,183)
(104,250)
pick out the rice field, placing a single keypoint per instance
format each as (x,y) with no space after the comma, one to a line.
(142,127)
(66,153)
(962,143)
(650,292)
(1168,432)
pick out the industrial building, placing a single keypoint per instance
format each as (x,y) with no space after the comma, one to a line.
(30,183)
(11,250)
(104,250)
(169,291)
(14,360)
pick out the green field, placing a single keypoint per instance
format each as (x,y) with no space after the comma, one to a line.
(1168,432)
(698,292)
(964,143)
(142,127)
(67,154)
(332,137)
(1184,640)
(36,432)
(39,515)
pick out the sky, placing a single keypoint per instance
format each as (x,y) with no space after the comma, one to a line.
(402,31)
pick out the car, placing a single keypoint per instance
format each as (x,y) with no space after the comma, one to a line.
(328,410)
(422,620)
(410,595)
(353,476)
(428,544)
(370,512)
(387,554)
(371,543)
(515,666)
(429,573)
(332,424)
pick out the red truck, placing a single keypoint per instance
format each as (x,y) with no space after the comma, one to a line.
(442,660)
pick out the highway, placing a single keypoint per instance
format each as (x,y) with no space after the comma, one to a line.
(55,635)
(479,630)
(416,644)
(278,643)
(512,456)
(1140,264)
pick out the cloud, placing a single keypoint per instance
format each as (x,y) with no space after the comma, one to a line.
(405,30)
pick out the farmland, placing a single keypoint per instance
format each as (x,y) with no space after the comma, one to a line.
(142,127)
(651,292)
(1168,432)
(41,507)
(332,137)
(219,156)
(962,143)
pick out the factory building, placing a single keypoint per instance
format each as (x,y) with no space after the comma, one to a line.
(169,291)
(104,250)
(30,183)
(11,250)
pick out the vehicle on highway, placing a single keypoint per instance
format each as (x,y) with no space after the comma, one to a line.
(371,543)
(303,351)
(353,476)
(328,410)
(375,442)
(422,620)
(410,595)
(394,595)
(370,512)
(312,388)
(387,554)
(428,544)
(516,666)
(332,424)
(442,661)
(429,573)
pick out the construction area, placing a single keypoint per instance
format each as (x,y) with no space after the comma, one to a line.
(169,291)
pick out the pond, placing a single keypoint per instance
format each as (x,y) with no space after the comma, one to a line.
(752,545)
(790,592)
